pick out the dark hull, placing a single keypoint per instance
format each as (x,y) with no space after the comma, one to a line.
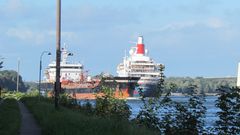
(149,90)
(125,85)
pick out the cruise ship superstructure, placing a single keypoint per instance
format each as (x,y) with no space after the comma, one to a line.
(139,64)
(69,71)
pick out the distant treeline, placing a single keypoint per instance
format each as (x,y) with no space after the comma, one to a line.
(8,81)
(206,85)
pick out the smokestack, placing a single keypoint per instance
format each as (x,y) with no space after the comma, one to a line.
(140,46)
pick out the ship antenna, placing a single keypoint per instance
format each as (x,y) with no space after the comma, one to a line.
(65,45)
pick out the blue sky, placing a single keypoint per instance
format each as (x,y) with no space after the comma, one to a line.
(191,37)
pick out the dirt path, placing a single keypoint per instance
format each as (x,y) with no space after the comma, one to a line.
(29,125)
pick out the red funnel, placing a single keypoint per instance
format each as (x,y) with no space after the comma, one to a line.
(140,46)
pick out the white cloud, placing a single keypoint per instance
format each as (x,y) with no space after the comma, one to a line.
(212,23)
(177,26)
(36,37)
(13,6)
(26,35)
(65,34)
(215,23)
(23,34)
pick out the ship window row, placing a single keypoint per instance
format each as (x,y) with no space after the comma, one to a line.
(70,73)
(69,67)
(143,66)
(140,70)
(65,73)
(145,75)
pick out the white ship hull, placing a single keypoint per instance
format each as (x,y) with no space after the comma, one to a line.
(148,80)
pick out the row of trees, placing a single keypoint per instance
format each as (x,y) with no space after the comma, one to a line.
(205,85)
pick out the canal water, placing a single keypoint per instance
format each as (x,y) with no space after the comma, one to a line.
(209,104)
(210,119)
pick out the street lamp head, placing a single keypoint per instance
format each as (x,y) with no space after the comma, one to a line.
(70,54)
(40,69)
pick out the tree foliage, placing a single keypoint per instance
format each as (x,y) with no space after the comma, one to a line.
(8,80)
(152,107)
(169,117)
(107,105)
(205,85)
(229,115)
(190,116)
(1,62)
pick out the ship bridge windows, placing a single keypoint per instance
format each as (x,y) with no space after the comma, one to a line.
(143,71)
(71,67)
(142,62)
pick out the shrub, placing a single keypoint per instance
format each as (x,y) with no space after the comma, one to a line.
(66,100)
(109,106)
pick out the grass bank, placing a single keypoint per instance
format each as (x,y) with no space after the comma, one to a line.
(71,122)
(10,117)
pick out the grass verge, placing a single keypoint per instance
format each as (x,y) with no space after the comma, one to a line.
(69,122)
(10,117)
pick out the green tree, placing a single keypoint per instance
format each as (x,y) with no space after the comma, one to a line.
(196,109)
(1,62)
(206,85)
(149,114)
(107,105)
(236,108)
(229,114)
(190,116)
(8,80)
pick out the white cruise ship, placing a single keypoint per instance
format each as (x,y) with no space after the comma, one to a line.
(139,64)
(72,72)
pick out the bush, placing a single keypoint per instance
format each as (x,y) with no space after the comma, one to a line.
(15,95)
(109,106)
(66,100)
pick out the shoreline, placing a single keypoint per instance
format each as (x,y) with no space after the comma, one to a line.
(92,96)
(181,94)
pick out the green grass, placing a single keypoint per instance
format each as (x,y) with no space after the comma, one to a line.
(71,122)
(10,117)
